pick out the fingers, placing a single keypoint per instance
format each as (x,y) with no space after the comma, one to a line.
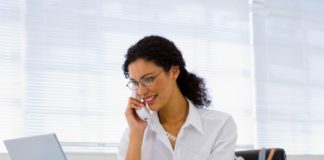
(134,103)
(130,115)
(134,122)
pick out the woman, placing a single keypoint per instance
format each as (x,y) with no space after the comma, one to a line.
(180,126)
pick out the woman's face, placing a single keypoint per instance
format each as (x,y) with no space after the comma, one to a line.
(161,87)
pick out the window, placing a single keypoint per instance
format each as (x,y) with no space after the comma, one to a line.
(60,67)
(289,81)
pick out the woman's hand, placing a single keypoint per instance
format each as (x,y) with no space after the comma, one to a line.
(136,125)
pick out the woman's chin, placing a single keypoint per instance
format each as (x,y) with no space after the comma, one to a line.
(152,108)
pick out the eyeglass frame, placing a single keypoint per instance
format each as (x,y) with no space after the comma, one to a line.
(149,79)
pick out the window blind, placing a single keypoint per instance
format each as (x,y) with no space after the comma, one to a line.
(11,69)
(62,63)
(60,67)
(289,81)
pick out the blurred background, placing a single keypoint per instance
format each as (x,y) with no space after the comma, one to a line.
(60,67)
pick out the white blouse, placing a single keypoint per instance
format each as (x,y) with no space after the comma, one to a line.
(206,135)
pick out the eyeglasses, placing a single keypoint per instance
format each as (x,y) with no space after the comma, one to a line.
(146,82)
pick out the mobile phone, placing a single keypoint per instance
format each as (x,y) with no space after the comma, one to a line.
(143,113)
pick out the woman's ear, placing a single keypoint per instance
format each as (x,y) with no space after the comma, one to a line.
(175,71)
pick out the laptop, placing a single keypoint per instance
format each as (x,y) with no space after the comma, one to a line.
(40,147)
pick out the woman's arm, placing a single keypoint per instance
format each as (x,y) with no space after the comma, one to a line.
(136,130)
(134,146)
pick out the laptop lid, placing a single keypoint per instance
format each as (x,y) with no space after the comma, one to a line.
(40,147)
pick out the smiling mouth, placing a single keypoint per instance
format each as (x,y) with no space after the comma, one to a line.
(149,100)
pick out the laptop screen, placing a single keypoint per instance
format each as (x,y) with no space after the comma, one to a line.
(40,147)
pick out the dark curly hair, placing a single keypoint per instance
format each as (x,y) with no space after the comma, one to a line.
(165,54)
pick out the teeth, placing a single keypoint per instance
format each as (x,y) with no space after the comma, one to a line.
(149,99)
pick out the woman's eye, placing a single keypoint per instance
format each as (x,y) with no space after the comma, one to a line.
(148,79)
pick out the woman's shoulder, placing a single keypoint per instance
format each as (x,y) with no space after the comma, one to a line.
(212,114)
(223,120)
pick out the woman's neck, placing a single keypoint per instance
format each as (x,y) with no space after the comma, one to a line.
(175,112)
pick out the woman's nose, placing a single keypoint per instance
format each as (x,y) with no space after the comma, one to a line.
(141,90)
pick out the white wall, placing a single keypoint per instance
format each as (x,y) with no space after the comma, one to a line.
(93,156)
